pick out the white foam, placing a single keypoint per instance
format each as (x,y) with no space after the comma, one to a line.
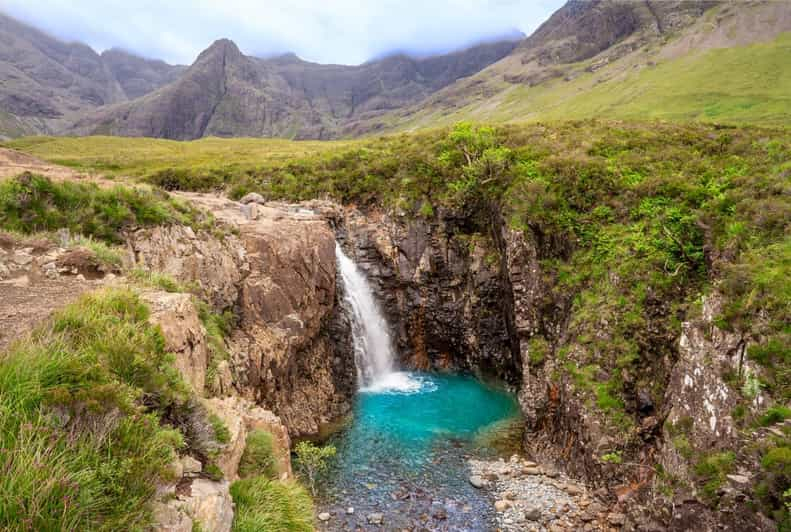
(400,382)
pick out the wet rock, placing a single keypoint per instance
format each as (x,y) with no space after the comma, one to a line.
(375,518)
(440,514)
(477,481)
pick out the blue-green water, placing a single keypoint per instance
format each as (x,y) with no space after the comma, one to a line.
(404,453)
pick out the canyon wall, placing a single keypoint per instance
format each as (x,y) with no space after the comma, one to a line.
(275,270)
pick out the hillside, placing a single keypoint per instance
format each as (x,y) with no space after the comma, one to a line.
(677,60)
(45,83)
(227,94)
(710,61)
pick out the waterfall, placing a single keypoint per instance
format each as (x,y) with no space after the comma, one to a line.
(373,348)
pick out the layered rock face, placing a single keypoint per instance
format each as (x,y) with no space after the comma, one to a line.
(290,348)
(441,289)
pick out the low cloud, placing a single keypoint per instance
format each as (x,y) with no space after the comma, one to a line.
(328,31)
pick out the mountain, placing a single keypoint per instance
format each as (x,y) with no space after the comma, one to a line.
(708,60)
(225,93)
(669,59)
(45,83)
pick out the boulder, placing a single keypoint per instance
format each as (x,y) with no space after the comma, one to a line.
(209,504)
(477,481)
(253,197)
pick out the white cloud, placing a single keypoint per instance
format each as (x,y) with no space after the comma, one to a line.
(328,31)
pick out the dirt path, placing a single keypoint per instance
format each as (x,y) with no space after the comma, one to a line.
(13,163)
(24,303)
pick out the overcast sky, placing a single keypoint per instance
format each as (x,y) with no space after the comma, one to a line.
(325,31)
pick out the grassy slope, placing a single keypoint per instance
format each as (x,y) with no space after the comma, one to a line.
(141,156)
(738,85)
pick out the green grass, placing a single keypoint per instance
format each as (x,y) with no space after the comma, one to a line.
(81,442)
(210,162)
(32,203)
(258,458)
(264,504)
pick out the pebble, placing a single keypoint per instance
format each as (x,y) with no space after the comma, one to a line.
(501,506)
(375,518)
(350,510)
(533,513)
(324,516)
(477,481)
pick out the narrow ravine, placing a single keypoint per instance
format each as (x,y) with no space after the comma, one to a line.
(403,456)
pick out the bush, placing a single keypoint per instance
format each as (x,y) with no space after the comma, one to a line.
(258,458)
(312,461)
(775,414)
(264,504)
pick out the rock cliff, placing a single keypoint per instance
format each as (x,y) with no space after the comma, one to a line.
(275,269)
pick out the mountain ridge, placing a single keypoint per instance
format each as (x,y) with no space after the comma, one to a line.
(557,72)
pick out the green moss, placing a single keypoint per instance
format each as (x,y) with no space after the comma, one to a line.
(712,471)
(775,414)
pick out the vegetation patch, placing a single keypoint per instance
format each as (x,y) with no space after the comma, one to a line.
(264,504)
(32,203)
(81,433)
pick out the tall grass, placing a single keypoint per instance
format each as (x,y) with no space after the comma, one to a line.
(31,203)
(263,504)
(81,443)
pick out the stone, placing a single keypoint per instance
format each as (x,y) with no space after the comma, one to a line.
(501,506)
(350,510)
(616,519)
(440,514)
(573,489)
(528,463)
(477,481)
(241,417)
(184,334)
(324,516)
(166,518)
(510,495)
(209,504)
(250,211)
(190,466)
(375,518)
(531,471)
(533,513)
(252,197)
(739,479)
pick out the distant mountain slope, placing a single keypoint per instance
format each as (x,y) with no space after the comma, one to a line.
(226,93)
(45,83)
(682,60)
(672,59)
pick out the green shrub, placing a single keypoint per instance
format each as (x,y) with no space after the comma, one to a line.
(258,458)
(712,471)
(221,433)
(312,461)
(775,414)
(80,434)
(271,505)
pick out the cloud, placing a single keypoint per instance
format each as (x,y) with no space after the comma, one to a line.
(325,31)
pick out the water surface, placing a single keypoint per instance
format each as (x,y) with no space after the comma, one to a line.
(404,453)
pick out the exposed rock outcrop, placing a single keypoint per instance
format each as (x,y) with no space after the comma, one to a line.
(184,334)
(276,271)
(440,287)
